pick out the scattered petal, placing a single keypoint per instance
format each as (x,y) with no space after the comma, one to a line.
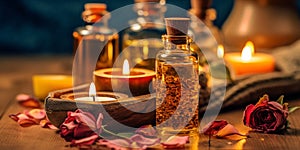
(144,142)
(117,144)
(37,114)
(28,101)
(26,122)
(14,116)
(175,142)
(85,141)
(230,132)
(146,130)
(214,127)
(47,124)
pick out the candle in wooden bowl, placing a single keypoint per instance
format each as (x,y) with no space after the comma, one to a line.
(249,62)
(133,82)
(93,96)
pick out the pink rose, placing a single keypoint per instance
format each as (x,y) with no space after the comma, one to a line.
(266,116)
(81,128)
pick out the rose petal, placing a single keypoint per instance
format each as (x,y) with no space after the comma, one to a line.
(14,116)
(146,130)
(47,124)
(175,142)
(229,130)
(85,141)
(214,126)
(144,142)
(99,123)
(248,111)
(27,101)
(26,122)
(117,144)
(37,114)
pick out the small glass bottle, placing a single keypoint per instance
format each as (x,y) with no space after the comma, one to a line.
(95,39)
(142,40)
(176,83)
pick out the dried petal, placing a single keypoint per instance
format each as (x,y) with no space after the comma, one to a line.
(26,122)
(175,142)
(47,124)
(144,142)
(146,130)
(230,130)
(37,114)
(214,127)
(14,116)
(85,141)
(28,101)
(117,144)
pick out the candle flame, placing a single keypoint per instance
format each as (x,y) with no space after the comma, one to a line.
(248,51)
(220,51)
(126,70)
(92,90)
(251,45)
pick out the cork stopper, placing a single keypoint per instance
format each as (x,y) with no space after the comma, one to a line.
(177,26)
(146,1)
(95,6)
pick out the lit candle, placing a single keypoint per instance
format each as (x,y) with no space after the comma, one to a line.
(93,97)
(249,62)
(43,84)
(134,81)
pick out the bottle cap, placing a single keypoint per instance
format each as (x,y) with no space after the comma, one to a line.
(95,6)
(146,1)
(177,26)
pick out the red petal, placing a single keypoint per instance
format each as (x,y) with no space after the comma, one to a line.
(214,126)
(28,101)
(47,124)
(117,144)
(85,141)
(176,142)
(14,116)
(143,142)
(247,113)
(146,130)
(26,122)
(37,114)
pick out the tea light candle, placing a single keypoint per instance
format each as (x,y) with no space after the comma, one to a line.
(94,97)
(43,84)
(134,81)
(249,62)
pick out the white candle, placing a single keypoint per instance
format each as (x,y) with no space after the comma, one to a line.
(97,99)
(93,96)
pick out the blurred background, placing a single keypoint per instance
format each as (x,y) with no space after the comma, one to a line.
(46,26)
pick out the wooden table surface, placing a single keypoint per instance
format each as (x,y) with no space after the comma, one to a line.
(15,78)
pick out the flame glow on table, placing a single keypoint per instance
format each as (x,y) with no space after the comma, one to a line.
(249,62)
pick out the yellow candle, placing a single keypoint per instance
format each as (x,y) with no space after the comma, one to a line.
(43,84)
(249,62)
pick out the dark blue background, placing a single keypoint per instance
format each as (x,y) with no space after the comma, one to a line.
(46,26)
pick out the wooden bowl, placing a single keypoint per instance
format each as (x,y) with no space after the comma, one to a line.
(131,112)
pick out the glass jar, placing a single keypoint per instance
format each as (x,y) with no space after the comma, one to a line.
(177,87)
(96,44)
(142,40)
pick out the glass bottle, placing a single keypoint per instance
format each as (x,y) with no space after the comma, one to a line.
(95,40)
(177,87)
(142,40)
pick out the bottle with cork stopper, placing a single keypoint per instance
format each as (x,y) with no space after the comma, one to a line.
(176,83)
(95,37)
